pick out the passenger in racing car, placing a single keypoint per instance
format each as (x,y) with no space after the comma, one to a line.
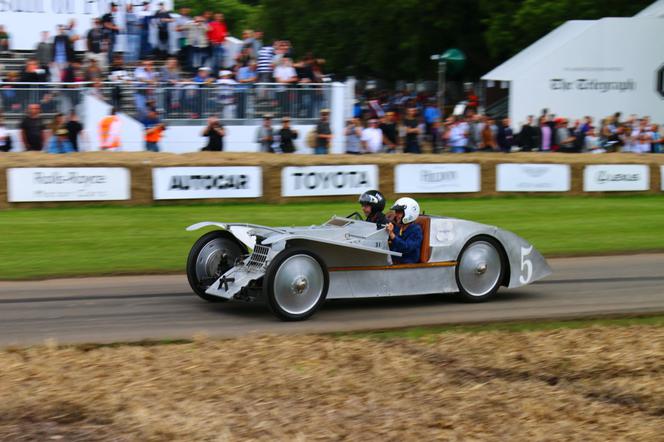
(373,204)
(405,235)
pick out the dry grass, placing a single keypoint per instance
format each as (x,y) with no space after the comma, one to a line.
(598,383)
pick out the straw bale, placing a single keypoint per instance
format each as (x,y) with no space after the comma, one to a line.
(591,384)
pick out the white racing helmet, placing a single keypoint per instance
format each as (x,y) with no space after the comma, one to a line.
(410,208)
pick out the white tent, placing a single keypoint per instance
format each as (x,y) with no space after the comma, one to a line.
(590,67)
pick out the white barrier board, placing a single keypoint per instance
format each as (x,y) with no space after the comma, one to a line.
(437,178)
(616,178)
(175,183)
(328,180)
(533,177)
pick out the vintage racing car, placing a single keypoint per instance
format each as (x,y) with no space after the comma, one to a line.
(295,269)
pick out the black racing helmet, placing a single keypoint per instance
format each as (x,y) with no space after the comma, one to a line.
(373,198)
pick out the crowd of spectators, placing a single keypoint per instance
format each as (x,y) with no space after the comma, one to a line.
(402,122)
(198,78)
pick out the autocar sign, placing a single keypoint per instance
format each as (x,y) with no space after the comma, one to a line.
(328,180)
(43,184)
(171,183)
(616,178)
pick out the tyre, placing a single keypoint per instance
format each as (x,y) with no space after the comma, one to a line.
(212,255)
(480,269)
(296,284)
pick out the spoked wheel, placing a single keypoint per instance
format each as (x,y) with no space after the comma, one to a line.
(296,284)
(210,257)
(480,269)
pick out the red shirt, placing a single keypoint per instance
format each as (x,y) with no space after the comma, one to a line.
(217,32)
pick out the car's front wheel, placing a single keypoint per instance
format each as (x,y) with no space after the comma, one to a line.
(480,269)
(210,257)
(296,284)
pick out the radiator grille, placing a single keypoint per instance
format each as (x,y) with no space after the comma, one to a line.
(258,258)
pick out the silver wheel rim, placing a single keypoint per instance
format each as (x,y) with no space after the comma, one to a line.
(207,262)
(479,268)
(298,284)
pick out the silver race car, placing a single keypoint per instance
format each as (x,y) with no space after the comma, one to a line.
(295,269)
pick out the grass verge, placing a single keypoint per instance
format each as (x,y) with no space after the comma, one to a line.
(593,383)
(42,243)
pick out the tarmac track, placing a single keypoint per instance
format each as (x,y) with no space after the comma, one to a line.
(133,308)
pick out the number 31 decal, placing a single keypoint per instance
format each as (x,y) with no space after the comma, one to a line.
(526,265)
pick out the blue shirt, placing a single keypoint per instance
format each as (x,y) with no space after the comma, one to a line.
(60,146)
(431,114)
(408,241)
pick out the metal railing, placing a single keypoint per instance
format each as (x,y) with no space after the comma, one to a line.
(191,101)
(52,97)
(183,101)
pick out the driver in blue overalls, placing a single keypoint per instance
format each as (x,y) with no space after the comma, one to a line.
(405,235)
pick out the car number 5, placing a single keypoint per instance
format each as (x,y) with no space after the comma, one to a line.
(526,265)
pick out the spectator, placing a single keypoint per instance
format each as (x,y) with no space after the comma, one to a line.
(118,77)
(546,135)
(245,76)
(489,135)
(33,131)
(284,72)
(5,137)
(109,132)
(431,115)
(372,137)
(287,136)
(11,98)
(226,89)
(146,79)
(93,72)
(153,130)
(563,138)
(44,51)
(63,51)
(74,130)
(265,62)
(475,125)
(505,136)
(60,142)
(216,36)
(412,131)
(390,132)
(170,78)
(183,44)
(132,51)
(323,133)
(111,29)
(97,44)
(458,135)
(265,135)
(655,139)
(197,39)
(215,133)
(353,132)
(32,73)
(145,16)
(257,43)
(163,19)
(4,41)
(248,41)
(529,135)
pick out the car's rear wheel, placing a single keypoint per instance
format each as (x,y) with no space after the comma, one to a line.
(212,255)
(480,269)
(296,284)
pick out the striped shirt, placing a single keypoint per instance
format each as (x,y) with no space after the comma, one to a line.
(265,59)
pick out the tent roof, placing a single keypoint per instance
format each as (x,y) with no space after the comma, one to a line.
(538,50)
(656,10)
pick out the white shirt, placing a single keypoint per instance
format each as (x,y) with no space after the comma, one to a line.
(4,133)
(373,136)
(458,135)
(284,73)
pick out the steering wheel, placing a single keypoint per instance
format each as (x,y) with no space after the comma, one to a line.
(356,216)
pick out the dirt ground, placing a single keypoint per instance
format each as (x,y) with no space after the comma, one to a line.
(590,384)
